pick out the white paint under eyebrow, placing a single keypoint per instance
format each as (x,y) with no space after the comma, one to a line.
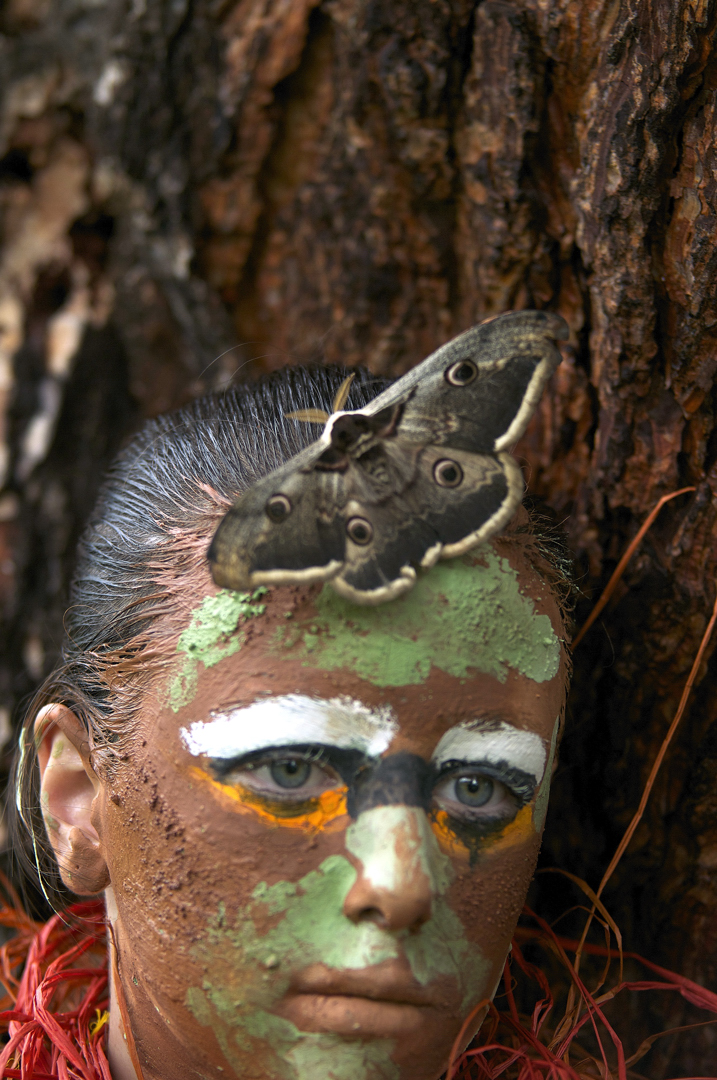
(293,719)
(495,743)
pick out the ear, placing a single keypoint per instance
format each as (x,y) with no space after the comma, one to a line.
(69,792)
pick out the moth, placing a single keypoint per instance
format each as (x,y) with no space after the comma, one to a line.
(421,473)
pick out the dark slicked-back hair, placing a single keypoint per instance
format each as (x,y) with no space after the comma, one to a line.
(143,554)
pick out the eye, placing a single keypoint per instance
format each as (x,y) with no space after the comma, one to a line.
(292,773)
(447,473)
(474,790)
(286,777)
(359,530)
(461,373)
(278,507)
(474,796)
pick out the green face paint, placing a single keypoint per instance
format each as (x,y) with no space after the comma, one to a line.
(459,617)
(541,799)
(312,1056)
(440,946)
(212,635)
(249,971)
(373,838)
(296,1055)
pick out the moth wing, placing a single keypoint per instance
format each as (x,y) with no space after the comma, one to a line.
(307,544)
(365,504)
(507,361)
(428,521)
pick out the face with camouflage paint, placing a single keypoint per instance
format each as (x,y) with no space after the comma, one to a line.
(321,844)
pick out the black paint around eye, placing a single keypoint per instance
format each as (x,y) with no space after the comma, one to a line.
(474,790)
(345,763)
(521,784)
(290,773)
(397,780)
(400,779)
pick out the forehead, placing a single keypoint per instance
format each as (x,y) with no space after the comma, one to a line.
(477,636)
(466,615)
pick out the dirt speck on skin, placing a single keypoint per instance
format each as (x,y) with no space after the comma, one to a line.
(183,858)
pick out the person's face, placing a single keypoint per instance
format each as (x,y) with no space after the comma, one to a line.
(321,847)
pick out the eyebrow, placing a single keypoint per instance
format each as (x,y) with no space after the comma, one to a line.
(292,719)
(517,718)
(495,742)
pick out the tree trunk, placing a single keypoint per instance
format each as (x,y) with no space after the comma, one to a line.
(194,191)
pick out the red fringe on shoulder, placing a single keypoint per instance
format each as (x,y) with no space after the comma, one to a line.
(56,1007)
(539,1047)
(59,1008)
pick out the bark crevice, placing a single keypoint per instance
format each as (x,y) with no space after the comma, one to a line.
(356,182)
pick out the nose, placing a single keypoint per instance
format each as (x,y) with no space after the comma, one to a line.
(401,868)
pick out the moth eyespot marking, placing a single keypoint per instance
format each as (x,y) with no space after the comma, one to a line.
(278,508)
(447,473)
(461,373)
(359,530)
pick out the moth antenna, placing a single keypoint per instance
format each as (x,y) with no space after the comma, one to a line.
(342,393)
(318,416)
(309,416)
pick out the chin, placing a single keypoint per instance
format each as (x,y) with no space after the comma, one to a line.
(416,1039)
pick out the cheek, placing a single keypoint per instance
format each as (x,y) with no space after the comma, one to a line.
(489,897)
(180,846)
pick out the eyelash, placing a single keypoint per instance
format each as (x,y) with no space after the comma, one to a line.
(520,785)
(519,790)
(485,812)
(270,790)
(315,755)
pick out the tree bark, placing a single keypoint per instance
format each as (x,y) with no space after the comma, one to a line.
(195,191)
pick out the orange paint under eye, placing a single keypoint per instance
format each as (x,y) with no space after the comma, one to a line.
(513,832)
(516,831)
(447,837)
(325,813)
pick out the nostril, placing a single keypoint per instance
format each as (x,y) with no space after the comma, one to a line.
(393,847)
(372,914)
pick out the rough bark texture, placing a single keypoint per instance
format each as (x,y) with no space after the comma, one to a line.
(356,181)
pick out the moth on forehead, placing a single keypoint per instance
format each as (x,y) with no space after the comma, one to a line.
(422,473)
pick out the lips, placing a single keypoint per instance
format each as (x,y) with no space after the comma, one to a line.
(384,1001)
(390,981)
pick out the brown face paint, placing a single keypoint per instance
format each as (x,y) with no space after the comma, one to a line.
(237,955)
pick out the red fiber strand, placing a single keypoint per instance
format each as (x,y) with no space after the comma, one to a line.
(629,832)
(514,1047)
(637,817)
(52,1011)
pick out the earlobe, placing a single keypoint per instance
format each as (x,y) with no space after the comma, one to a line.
(69,790)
